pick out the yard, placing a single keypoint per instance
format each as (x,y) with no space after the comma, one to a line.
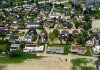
(88,53)
(66,47)
(7,59)
(60,10)
(17,1)
(83,64)
(67,4)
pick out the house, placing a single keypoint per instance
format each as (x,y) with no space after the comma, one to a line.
(41,15)
(14,39)
(55,15)
(28,7)
(78,50)
(14,47)
(33,48)
(48,24)
(93,32)
(81,16)
(75,32)
(89,41)
(15,23)
(96,49)
(8,32)
(58,50)
(97,39)
(28,38)
(31,24)
(84,7)
(68,25)
(65,33)
(73,11)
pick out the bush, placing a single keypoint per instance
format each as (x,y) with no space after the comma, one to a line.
(15,53)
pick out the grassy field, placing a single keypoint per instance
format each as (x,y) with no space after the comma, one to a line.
(66,47)
(82,64)
(24,56)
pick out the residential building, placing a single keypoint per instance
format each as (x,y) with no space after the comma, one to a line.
(96,49)
(31,24)
(33,48)
(14,39)
(28,38)
(78,50)
(14,47)
(58,50)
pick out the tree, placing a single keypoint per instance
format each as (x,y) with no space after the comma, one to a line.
(15,53)
(34,38)
(32,1)
(16,32)
(41,27)
(70,38)
(22,24)
(87,26)
(51,36)
(86,18)
(77,24)
(2,34)
(56,32)
(80,40)
(85,33)
(22,44)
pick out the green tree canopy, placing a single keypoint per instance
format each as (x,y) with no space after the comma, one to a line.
(15,53)
(56,32)
(80,40)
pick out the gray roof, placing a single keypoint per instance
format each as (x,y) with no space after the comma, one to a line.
(55,49)
(28,37)
(15,45)
(30,22)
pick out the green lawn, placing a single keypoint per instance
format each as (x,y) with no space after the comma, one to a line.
(82,64)
(60,10)
(67,5)
(66,47)
(88,53)
(7,59)
(3,47)
(17,1)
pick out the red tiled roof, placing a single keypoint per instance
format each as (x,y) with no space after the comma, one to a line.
(78,48)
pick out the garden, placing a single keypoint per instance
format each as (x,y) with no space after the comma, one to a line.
(83,64)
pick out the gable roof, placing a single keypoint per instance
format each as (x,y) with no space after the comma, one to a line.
(30,45)
(79,48)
